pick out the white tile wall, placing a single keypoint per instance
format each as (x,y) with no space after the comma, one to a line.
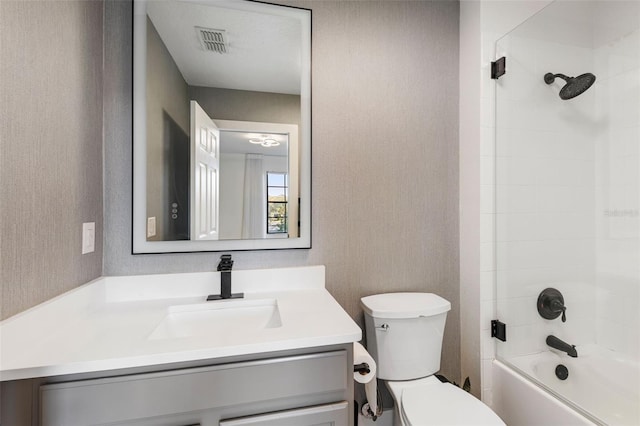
(617,196)
(560,166)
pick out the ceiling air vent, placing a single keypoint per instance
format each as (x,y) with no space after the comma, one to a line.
(212,40)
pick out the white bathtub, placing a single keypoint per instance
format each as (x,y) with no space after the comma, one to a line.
(601,389)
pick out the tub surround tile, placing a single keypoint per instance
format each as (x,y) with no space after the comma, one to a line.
(487,286)
(488,345)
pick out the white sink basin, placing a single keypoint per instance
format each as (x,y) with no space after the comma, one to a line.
(217,318)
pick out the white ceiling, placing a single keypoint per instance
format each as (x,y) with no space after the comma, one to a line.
(264,48)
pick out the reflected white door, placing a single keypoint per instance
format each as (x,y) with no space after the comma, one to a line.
(205,165)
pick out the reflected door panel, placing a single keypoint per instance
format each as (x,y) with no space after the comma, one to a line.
(206,164)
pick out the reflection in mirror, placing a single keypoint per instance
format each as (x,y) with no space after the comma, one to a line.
(221,126)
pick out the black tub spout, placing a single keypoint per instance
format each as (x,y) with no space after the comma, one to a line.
(560,345)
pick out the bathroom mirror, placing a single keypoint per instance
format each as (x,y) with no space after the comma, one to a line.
(221,126)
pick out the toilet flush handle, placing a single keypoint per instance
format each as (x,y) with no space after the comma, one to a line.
(383,327)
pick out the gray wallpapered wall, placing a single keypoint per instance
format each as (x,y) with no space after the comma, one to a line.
(51,148)
(385,156)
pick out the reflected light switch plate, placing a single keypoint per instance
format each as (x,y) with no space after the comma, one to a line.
(88,237)
(151,227)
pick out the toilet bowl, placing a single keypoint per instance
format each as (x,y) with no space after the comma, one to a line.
(404,334)
(428,401)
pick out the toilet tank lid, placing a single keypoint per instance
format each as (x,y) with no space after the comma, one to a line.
(404,305)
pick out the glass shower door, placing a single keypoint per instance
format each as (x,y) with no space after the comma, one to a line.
(567,190)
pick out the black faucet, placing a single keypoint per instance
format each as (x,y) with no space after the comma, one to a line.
(224,267)
(558,344)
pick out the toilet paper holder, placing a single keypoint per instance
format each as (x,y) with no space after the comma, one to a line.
(362,368)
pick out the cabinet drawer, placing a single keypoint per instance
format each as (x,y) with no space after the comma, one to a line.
(139,396)
(324,415)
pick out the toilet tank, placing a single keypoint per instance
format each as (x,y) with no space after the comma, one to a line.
(404,333)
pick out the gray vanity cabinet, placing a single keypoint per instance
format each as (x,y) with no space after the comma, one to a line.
(309,389)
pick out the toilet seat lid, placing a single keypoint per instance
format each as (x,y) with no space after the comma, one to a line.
(445,404)
(404,305)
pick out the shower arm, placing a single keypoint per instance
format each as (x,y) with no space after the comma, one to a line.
(549,77)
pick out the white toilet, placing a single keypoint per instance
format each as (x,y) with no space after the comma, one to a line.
(404,336)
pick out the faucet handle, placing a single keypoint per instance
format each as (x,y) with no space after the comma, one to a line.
(225,263)
(558,306)
(551,304)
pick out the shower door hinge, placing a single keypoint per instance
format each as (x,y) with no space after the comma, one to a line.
(499,330)
(498,68)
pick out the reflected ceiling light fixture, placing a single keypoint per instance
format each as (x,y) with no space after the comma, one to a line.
(265,141)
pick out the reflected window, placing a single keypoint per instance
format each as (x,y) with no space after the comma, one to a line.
(277,202)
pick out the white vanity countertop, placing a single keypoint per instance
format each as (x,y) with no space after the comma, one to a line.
(106,324)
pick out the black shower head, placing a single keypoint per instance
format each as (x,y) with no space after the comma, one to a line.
(575,85)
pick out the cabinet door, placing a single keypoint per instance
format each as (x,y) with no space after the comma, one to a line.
(324,415)
(251,387)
